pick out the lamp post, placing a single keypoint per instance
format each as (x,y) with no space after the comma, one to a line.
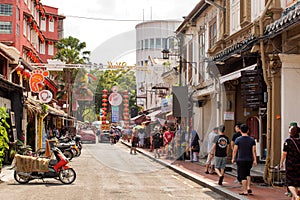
(166,55)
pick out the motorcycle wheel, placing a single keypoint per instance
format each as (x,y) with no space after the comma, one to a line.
(21,179)
(68,154)
(67,176)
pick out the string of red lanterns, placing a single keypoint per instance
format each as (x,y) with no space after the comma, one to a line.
(104,106)
(126,109)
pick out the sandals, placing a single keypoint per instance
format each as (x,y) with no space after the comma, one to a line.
(245,194)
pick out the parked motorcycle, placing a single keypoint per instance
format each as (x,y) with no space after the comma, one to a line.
(58,169)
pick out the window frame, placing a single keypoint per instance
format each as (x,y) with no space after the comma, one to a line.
(7,11)
(51,25)
(50,49)
(7,27)
(43,24)
(212,29)
(42,48)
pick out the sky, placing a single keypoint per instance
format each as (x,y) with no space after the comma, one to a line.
(97,32)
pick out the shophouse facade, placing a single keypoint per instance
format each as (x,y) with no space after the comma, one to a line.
(251,56)
(32,29)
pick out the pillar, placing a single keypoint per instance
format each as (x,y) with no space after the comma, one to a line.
(290,79)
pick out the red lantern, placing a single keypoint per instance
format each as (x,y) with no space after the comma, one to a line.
(104,122)
(104,96)
(104,100)
(103,118)
(105,109)
(125,92)
(105,91)
(125,100)
(126,96)
(126,122)
(103,112)
(126,118)
(104,104)
(126,105)
(20,69)
(126,109)
(126,114)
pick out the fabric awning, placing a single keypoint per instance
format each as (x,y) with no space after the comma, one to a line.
(154,114)
(235,75)
(137,117)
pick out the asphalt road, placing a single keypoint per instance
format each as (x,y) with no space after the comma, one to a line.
(107,171)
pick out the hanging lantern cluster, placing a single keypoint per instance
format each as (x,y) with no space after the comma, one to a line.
(126,109)
(104,106)
(24,72)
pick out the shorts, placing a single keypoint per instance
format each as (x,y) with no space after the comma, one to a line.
(210,159)
(244,169)
(220,162)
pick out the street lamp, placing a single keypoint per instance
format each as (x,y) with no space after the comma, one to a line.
(166,54)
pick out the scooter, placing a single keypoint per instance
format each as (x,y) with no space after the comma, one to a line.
(58,169)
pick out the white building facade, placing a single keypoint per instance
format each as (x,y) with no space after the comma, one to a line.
(151,38)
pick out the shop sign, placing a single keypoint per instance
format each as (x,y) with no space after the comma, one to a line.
(228,116)
(115,99)
(115,114)
(45,96)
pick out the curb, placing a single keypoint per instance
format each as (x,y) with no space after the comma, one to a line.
(208,184)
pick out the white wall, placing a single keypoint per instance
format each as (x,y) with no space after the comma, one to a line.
(290,95)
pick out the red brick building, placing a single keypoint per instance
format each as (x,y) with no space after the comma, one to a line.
(31,27)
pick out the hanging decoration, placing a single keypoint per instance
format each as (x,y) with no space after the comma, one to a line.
(126,109)
(104,106)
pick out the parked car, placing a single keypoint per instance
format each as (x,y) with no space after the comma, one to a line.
(87,136)
(104,136)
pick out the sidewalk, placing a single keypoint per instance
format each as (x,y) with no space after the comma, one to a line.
(230,188)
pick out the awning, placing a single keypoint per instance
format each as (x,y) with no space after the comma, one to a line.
(235,75)
(137,117)
(154,114)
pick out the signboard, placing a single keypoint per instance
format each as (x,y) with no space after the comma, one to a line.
(115,99)
(45,96)
(166,105)
(228,116)
(252,88)
(115,114)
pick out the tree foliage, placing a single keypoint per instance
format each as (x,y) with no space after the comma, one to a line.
(70,51)
(124,79)
(4,141)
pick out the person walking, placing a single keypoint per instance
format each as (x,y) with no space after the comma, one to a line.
(245,149)
(220,151)
(291,157)
(236,134)
(156,142)
(210,162)
(168,137)
(195,147)
(134,141)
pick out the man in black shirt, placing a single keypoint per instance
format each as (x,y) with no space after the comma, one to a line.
(220,151)
(237,133)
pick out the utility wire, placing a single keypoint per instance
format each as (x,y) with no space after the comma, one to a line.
(111,19)
(105,19)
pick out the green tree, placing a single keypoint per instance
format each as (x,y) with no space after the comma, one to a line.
(71,51)
(4,141)
(124,79)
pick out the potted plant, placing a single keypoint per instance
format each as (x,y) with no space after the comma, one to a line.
(4,141)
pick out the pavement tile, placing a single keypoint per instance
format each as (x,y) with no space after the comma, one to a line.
(230,187)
